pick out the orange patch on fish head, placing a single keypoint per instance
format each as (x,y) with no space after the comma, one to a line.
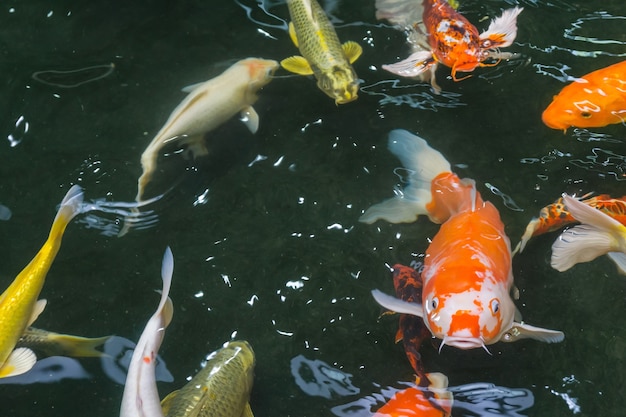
(260,71)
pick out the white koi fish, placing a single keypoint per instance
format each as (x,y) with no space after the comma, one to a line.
(18,304)
(141,397)
(209,105)
(599,234)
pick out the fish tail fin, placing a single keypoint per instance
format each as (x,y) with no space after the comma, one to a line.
(77,346)
(71,206)
(597,235)
(502,30)
(426,163)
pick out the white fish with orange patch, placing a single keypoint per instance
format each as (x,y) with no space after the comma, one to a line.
(599,234)
(467,273)
(141,397)
(208,105)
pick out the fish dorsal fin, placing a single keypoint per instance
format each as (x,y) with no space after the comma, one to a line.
(40,305)
(352,50)
(21,360)
(525,331)
(247,411)
(188,89)
(166,403)
(292,34)
(297,64)
(250,118)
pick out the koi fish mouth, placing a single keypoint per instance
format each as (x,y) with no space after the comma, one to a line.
(464,343)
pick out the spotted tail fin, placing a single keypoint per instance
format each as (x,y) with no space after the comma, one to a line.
(598,235)
(425,163)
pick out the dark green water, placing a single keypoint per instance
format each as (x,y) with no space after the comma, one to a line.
(273,250)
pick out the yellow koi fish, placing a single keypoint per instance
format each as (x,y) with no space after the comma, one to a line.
(220,389)
(209,105)
(56,344)
(323,55)
(18,304)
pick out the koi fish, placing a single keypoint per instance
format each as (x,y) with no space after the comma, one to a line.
(56,344)
(445,36)
(411,329)
(19,307)
(555,216)
(322,54)
(220,389)
(430,398)
(467,271)
(141,397)
(208,105)
(597,235)
(594,100)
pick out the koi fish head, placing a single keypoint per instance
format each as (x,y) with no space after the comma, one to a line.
(260,71)
(586,104)
(471,318)
(339,83)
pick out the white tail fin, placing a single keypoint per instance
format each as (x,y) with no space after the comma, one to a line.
(426,163)
(502,30)
(598,235)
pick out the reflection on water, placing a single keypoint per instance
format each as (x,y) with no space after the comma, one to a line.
(607,164)
(480,399)
(319,379)
(73,78)
(417,96)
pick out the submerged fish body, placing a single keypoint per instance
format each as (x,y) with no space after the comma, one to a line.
(598,234)
(56,344)
(555,216)
(428,398)
(445,36)
(467,271)
(141,397)
(594,100)
(209,105)
(411,329)
(220,389)
(322,53)
(18,304)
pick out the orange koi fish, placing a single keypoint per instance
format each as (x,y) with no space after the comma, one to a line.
(430,398)
(598,234)
(445,36)
(555,216)
(467,272)
(595,100)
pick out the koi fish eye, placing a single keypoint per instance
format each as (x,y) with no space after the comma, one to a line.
(434,303)
(585,115)
(494,305)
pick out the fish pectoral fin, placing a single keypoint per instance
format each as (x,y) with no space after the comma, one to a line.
(247,411)
(352,50)
(297,64)
(250,118)
(195,146)
(525,331)
(190,88)
(21,360)
(620,260)
(397,305)
(413,66)
(40,305)
(166,403)
(292,34)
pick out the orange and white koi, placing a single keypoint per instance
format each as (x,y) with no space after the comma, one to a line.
(429,398)
(598,234)
(445,36)
(467,273)
(594,100)
(555,216)
(141,397)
